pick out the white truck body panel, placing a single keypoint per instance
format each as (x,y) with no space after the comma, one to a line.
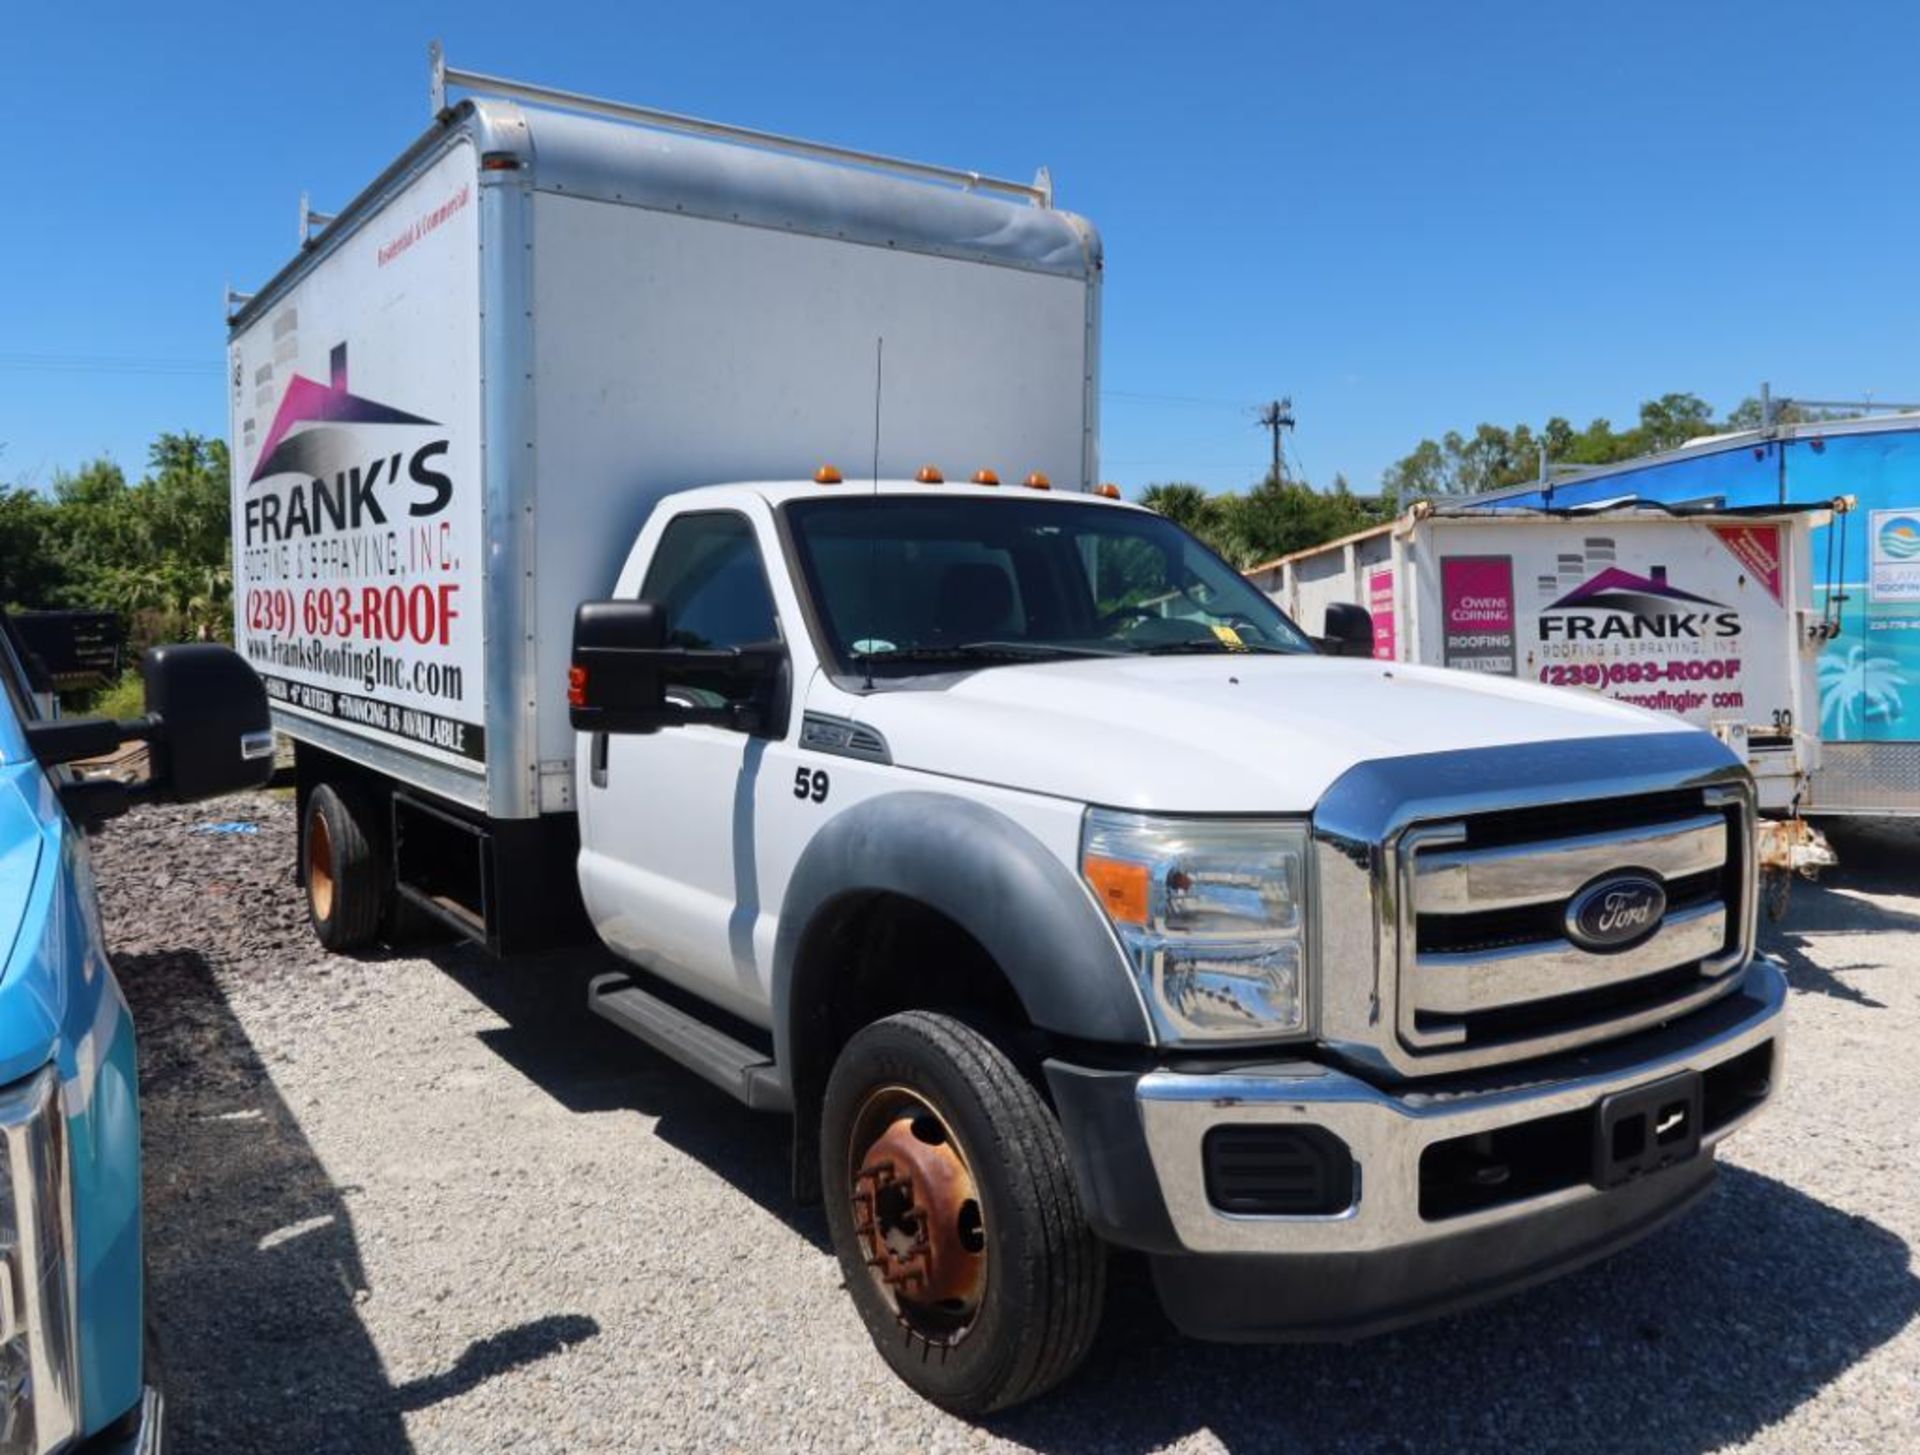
(617,315)
(359,534)
(1703,618)
(647,387)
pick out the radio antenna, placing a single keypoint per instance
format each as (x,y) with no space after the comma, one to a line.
(873,535)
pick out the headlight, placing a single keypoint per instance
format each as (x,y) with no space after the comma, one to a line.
(38,1400)
(1212,915)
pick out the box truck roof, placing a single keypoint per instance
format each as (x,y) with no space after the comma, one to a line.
(732,181)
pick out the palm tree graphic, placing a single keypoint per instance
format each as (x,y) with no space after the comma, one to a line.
(1856,689)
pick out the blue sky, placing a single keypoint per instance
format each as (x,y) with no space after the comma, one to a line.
(1409,216)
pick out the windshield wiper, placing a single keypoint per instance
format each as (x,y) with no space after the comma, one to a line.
(1212,647)
(983,652)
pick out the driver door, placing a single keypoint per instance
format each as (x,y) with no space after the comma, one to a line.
(667,830)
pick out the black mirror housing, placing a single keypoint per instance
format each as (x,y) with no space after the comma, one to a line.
(614,684)
(621,667)
(1349,631)
(211,733)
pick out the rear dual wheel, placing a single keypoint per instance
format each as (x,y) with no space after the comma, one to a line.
(954,1213)
(345,880)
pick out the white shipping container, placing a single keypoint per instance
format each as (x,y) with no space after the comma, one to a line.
(1706,617)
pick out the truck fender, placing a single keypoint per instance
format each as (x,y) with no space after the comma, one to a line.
(988,875)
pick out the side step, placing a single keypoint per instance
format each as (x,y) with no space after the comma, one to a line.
(742,1071)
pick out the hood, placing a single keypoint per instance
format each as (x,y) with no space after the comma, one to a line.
(1218,734)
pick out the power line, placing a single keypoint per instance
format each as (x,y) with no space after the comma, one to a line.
(109,364)
(1173,398)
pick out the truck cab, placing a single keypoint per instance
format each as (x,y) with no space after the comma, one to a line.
(75,1368)
(989,814)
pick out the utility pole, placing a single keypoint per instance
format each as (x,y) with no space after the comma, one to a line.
(1275,417)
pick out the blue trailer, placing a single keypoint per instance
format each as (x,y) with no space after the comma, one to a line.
(1866,576)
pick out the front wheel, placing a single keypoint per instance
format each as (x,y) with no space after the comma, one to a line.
(954,1213)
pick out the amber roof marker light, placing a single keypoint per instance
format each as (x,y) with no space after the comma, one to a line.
(1107,492)
(1038,481)
(930,475)
(826,475)
(985,477)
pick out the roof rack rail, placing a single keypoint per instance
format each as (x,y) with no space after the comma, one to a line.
(1039,191)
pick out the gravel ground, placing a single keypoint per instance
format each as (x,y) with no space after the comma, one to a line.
(430,1203)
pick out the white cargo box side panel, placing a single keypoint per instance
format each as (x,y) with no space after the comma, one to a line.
(673,351)
(1689,618)
(358,515)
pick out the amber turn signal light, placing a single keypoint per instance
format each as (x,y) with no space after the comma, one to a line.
(1121,887)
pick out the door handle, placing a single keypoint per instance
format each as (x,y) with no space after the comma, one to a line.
(597,761)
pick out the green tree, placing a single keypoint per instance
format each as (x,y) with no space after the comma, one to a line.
(1494,457)
(1420,474)
(31,574)
(1746,414)
(1274,518)
(1185,505)
(156,552)
(1671,420)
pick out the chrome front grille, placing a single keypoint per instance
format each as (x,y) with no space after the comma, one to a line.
(1483,962)
(1441,882)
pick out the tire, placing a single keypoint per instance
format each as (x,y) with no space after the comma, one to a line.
(345,878)
(1027,1279)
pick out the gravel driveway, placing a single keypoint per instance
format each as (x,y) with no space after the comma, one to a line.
(430,1203)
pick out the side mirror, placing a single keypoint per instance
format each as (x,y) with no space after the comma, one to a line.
(211,732)
(207,732)
(1349,630)
(617,682)
(614,684)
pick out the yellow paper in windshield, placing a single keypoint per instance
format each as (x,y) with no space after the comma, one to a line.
(1230,637)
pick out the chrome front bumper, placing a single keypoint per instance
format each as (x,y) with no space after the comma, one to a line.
(147,1435)
(1387,1130)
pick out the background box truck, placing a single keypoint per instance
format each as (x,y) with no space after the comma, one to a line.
(691,538)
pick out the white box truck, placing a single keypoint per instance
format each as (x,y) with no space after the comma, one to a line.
(610,585)
(1705,613)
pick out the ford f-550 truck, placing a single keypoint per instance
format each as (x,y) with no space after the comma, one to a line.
(993,829)
(75,1375)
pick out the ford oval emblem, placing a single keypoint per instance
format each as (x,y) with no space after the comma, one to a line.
(1614,912)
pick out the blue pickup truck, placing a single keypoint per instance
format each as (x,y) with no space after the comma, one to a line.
(75,1373)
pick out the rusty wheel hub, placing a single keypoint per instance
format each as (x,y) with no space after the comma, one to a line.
(916,1209)
(320,867)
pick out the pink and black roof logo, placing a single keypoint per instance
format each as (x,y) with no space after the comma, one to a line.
(1615,589)
(312,432)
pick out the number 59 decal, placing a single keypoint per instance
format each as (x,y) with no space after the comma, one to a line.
(811,783)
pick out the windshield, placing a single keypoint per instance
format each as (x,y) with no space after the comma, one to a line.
(910,581)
